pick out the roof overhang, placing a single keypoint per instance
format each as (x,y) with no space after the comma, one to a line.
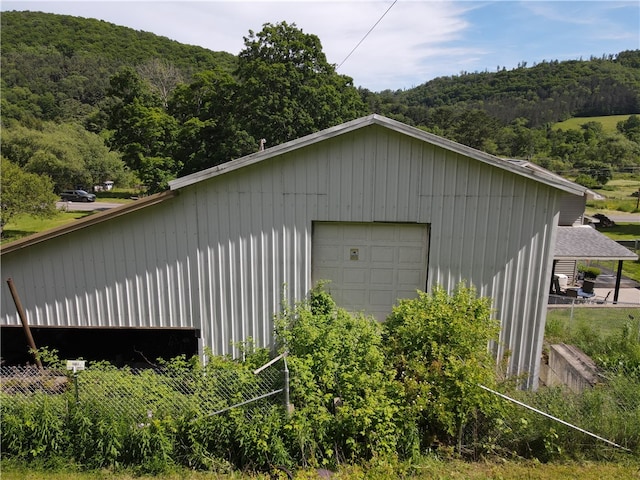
(586,243)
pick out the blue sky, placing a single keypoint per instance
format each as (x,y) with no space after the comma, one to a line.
(415,41)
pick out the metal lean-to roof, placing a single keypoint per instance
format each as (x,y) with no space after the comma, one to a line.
(539,176)
(585,242)
(86,222)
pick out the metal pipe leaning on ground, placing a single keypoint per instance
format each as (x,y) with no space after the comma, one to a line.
(554,418)
(23,319)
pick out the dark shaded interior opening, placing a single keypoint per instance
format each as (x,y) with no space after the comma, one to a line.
(135,347)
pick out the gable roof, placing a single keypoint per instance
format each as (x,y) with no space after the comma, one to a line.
(538,175)
(374,119)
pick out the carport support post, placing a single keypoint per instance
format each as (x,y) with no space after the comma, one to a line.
(23,319)
(618,278)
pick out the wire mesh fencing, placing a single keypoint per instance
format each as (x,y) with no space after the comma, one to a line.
(137,394)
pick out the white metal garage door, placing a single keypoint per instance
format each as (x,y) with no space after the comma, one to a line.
(370,265)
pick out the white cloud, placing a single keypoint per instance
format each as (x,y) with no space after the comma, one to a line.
(414,42)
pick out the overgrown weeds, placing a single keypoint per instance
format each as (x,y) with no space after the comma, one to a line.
(362,394)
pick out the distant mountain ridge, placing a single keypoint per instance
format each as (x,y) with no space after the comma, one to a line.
(50,53)
(547,92)
(87,36)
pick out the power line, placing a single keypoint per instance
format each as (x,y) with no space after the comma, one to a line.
(367,34)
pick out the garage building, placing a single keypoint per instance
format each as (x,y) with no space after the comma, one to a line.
(378,208)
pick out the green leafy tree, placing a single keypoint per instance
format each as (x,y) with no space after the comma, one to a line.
(438,344)
(24,193)
(209,132)
(288,89)
(630,128)
(142,130)
(600,172)
(66,153)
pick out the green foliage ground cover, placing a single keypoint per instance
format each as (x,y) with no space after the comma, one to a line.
(370,400)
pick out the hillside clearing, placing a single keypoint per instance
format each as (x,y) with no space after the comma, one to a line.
(609,122)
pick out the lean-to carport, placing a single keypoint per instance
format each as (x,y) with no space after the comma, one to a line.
(586,243)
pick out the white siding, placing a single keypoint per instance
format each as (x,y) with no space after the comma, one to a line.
(571,210)
(222,254)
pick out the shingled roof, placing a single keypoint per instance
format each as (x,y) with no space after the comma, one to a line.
(585,242)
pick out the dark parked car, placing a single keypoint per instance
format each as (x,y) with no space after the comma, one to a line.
(77,196)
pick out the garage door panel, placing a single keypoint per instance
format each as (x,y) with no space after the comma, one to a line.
(370,265)
(410,254)
(384,233)
(332,274)
(380,298)
(408,277)
(382,276)
(355,297)
(355,276)
(382,254)
(408,293)
(327,232)
(328,253)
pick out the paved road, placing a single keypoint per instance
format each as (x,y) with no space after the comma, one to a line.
(625,217)
(86,206)
(621,217)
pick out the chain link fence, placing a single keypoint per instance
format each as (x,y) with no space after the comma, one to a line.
(136,394)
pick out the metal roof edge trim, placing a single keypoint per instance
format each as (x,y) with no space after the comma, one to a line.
(560,183)
(632,256)
(381,120)
(86,222)
(271,152)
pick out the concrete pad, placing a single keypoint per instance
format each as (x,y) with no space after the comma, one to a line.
(626,296)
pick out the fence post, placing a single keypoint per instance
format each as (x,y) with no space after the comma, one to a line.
(75,382)
(287,405)
(573,304)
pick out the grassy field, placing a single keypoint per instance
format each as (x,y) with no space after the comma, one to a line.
(622,231)
(23,225)
(609,123)
(621,188)
(428,469)
(618,193)
(563,321)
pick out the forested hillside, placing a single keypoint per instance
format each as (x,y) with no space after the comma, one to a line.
(84,101)
(548,92)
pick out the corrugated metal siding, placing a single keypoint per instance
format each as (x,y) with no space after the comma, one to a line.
(571,210)
(221,255)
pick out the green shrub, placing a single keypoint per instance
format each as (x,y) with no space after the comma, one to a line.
(346,401)
(438,345)
(589,272)
(363,392)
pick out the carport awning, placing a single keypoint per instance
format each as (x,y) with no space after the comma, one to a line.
(586,243)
